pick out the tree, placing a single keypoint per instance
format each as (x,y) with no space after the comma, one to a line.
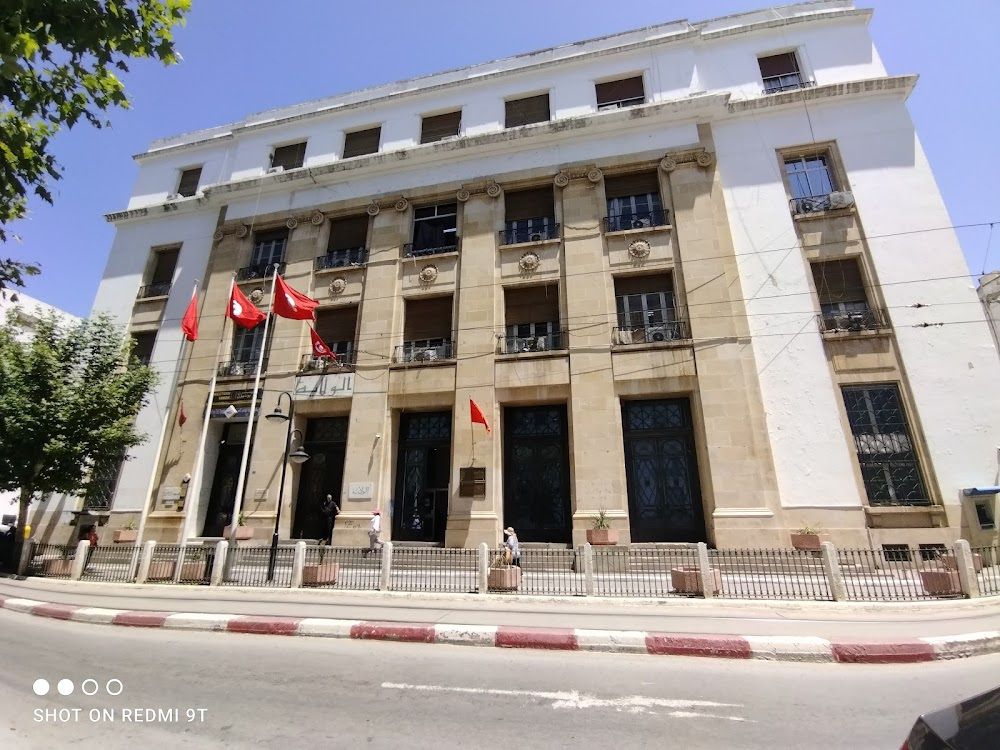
(68,401)
(58,63)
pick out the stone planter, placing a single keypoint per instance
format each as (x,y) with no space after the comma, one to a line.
(243,533)
(193,570)
(809,542)
(940,582)
(162,570)
(317,575)
(600,537)
(687,580)
(504,578)
(951,562)
(58,567)
(126,536)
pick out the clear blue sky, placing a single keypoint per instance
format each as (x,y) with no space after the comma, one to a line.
(243,56)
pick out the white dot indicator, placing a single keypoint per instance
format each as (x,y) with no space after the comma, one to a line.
(41,687)
(65,687)
(89,686)
(119,687)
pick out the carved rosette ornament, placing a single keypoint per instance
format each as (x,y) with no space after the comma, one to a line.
(402,204)
(704,159)
(493,190)
(372,209)
(317,218)
(257,295)
(242,230)
(219,234)
(639,249)
(668,164)
(462,195)
(338,285)
(428,274)
(561,180)
(595,175)
(529,262)
(291,222)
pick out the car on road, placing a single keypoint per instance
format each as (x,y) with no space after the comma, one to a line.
(973,724)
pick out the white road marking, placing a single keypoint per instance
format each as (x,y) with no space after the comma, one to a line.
(635,704)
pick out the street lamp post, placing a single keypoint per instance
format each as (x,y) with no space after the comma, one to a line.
(298,456)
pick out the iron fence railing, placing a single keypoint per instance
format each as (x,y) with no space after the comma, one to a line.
(786,82)
(896,575)
(259,271)
(313,365)
(348,256)
(770,574)
(637,220)
(351,568)
(419,250)
(552,572)
(241,368)
(987,563)
(51,560)
(657,333)
(421,352)
(529,230)
(854,321)
(435,569)
(248,566)
(648,571)
(159,289)
(540,342)
(116,563)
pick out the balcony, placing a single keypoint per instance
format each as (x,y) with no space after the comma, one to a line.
(249,273)
(340,362)
(160,289)
(346,257)
(240,368)
(640,220)
(554,340)
(533,230)
(829,202)
(786,82)
(652,333)
(633,101)
(853,318)
(419,250)
(424,351)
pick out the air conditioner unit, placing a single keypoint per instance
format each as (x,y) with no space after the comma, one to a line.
(174,197)
(641,223)
(536,237)
(276,170)
(238,368)
(625,336)
(841,200)
(856,321)
(540,344)
(658,333)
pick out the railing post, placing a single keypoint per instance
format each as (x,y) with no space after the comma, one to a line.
(219,566)
(707,589)
(483,560)
(147,558)
(831,569)
(80,561)
(384,576)
(588,569)
(179,564)
(298,563)
(966,569)
(133,563)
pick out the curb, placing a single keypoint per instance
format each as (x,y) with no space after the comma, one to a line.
(765,648)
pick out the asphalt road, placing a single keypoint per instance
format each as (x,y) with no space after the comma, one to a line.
(276,692)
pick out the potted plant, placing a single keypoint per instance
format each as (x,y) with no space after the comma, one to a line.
(601,532)
(808,538)
(938,582)
(687,579)
(503,576)
(127,534)
(951,562)
(243,532)
(321,573)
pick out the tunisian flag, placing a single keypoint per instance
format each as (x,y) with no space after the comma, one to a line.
(477,416)
(291,304)
(189,323)
(319,348)
(243,311)
(182,417)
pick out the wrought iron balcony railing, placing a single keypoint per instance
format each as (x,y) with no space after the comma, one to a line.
(351,256)
(640,220)
(248,273)
(786,82)
(417,250)
(532,230)
(653,333)
(240,368)
(313,365)
(426,350)
(853,320)
(159,289)
(541,342)
(622,103)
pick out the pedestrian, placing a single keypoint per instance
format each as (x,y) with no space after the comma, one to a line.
(92,538)
(374,529)
(513,545)
(330,511)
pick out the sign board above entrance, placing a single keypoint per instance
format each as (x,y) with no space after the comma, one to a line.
(330,385)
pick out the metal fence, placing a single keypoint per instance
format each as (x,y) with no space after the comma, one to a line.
(114,562)
(898,575)
(349,568)
(987,562)
(642,570)
(769,574)
(552,572)
(434,569)
(52,560)
(248,566)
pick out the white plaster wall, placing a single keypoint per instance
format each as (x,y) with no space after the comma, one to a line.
(116,294)
(160,177)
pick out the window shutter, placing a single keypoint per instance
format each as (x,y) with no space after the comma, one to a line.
(427,319)
(839,281)
(526,111)
(614,91)
(778,65)
(529,204)
(189,182)
(337,325)
(166,262)
(535,304)
(650,284)
(627,185)
(349,232)
(289,157)
(362,142)
(437,127)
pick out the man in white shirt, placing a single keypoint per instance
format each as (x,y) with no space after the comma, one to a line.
(374,529)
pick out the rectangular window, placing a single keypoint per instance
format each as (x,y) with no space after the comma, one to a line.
(896,552)
(780,72)
(426,330)
(625,92)
(932,551)
(438,127)
(531,315)
(435,230)
(268,252)
(103,482)
(530,216)
(362,142)
(188,184)
(889,463)
(811,182)
(247,344)
(143,349)
(984,514)
(292,156)
(645,307)
(843,302)
(337,328)
(162,275)
(526,111)
(634,202)
(346,247)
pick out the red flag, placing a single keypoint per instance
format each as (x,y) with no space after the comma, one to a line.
(477,416)
(182,418)
(291,304)
(319,348)
(242,310)
(189,323)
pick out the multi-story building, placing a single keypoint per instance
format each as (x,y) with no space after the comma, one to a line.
(697,275)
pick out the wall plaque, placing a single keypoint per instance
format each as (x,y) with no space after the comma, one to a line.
(472,481)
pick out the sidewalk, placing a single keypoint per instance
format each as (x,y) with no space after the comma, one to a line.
(798,631)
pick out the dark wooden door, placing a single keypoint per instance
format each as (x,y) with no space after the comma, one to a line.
(322,475)
(423,473)
(227,473)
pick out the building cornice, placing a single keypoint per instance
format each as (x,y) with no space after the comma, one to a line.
(866,87)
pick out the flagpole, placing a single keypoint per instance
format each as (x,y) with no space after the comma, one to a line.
(241,481)
(193,499)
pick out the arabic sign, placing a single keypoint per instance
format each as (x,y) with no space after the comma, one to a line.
(332,385)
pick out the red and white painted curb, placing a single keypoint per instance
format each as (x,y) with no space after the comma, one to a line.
(768,648)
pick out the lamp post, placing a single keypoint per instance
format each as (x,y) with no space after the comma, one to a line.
(298,456)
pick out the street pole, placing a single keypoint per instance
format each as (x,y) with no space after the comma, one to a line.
(281,487)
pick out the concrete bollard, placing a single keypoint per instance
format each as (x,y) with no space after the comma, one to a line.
(384,576)
(147,557)
(966,569)
(831,569)
(588,570)
(80,561)
(181,559)
(219,567)
(705,571)
(483,561)
(298,563)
